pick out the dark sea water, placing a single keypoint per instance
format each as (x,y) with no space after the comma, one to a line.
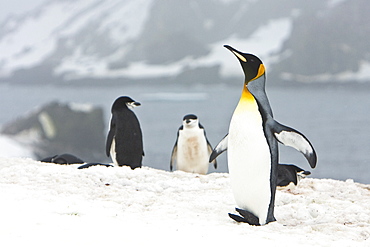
(335,118)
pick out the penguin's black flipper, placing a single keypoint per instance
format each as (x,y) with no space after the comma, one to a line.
(293,138)
(219,149)
(174,150)
(173,157)
(209,147)
(93,164)
(248,217)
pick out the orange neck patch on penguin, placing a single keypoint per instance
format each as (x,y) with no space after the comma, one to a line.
(261,71)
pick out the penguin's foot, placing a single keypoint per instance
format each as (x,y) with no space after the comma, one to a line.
(132,166)
(248,217)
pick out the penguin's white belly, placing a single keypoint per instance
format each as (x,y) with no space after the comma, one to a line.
(192,152)
(249,163)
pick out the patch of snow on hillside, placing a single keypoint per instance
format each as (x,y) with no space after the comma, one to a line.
(264,42)
(124,21)
(129,16)
(334,3)
(79,107)
(59,205)
(11,148)
(363,75)
(34,39)
(172,96)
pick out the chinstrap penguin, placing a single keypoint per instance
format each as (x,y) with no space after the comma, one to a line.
(124,141)
(252,144)
(192,149)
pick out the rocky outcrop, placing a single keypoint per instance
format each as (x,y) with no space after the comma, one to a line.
(61,128)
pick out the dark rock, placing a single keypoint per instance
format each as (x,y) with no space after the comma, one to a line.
(61,128)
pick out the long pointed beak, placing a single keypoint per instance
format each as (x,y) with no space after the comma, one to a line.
(229,48)
(237,53)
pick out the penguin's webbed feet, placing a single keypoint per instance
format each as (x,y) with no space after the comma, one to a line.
(248,217)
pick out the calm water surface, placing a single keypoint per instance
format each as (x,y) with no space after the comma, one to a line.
(334,118)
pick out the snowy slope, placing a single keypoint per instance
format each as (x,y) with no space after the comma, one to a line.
(12,148)
(48,204)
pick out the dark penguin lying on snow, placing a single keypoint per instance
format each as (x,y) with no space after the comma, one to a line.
(124,142)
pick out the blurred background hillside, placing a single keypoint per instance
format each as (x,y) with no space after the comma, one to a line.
(90,41)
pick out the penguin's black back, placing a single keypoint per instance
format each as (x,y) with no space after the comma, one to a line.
(287,174)
(128,138)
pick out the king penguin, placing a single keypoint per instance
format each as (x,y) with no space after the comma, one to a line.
(192,149)
(252,144)
(124,142)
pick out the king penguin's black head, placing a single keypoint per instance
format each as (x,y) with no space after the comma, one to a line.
(124,102)
(252,66)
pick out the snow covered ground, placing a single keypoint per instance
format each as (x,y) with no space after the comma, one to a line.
(54,205)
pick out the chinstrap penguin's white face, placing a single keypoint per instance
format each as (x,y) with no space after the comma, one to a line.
(190,123)
(124,102)
(132,105)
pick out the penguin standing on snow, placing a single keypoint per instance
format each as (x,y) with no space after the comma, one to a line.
(192,148)
(124,142)
(252,144)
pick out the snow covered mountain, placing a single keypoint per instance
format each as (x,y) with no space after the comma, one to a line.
(63,41)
